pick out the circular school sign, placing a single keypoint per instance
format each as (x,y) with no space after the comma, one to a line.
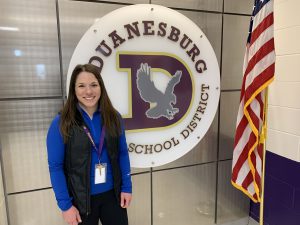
(161,74)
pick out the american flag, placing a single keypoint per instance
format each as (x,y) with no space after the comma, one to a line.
(258,73)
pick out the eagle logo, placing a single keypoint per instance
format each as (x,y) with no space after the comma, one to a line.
(149,93)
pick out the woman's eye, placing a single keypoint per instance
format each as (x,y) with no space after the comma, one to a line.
(94,85)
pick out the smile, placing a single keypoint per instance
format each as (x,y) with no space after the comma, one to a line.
(88,98)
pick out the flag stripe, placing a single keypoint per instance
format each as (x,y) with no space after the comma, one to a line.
(263,52)
(243,156)
(261,104)
(241,145)
(266,23)
(262,13)
(242,175)
(253,158)
(252,110)
(248,180)
(263,77)
(240,129)
(260,41)
(258,72)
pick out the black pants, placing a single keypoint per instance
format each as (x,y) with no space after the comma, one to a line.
(105,207)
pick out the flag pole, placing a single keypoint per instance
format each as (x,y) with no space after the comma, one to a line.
(261,208)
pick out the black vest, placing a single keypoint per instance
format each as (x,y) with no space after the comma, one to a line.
(78,166)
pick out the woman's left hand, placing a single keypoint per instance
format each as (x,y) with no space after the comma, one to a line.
(125,199)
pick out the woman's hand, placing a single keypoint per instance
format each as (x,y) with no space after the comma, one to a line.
(125,199)
(71,216)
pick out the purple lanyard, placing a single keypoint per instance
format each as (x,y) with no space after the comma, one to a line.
(101,142)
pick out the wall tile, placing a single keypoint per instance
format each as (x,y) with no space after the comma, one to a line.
(278,141)
(243,221)
(139,170)
(241,6)
(1,183)
(228,123)
(138,212)
(24,124)
(204,151)
(286,14)
(287,67)
(277,214)
(284,119)
(232,203)
(282,169)
(211,25)
(254,210)
(284,47)
(281,205)
(184,194)
(73,27)
(279,190)
(3,216)
(297,200)
(34,208)
(212,5)
(298,158)
(29,57)
(234,43)
(130,1)
(285,94)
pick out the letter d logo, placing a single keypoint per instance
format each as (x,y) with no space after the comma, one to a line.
(153,107)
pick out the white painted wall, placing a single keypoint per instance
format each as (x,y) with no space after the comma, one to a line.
(284,101)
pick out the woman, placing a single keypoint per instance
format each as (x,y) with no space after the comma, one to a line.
(87,154)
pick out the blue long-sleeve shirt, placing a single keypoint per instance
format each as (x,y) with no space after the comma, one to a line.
(56,155)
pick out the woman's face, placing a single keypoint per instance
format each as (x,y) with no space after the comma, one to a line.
(88,91)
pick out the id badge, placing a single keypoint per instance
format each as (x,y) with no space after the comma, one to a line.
(100,173)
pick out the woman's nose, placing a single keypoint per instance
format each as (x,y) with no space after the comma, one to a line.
(88,89)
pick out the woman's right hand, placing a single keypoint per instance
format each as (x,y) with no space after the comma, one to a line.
(72,216)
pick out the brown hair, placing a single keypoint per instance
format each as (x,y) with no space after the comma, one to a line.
(110,117)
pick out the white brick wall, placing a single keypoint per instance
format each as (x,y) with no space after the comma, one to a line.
(284,101)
